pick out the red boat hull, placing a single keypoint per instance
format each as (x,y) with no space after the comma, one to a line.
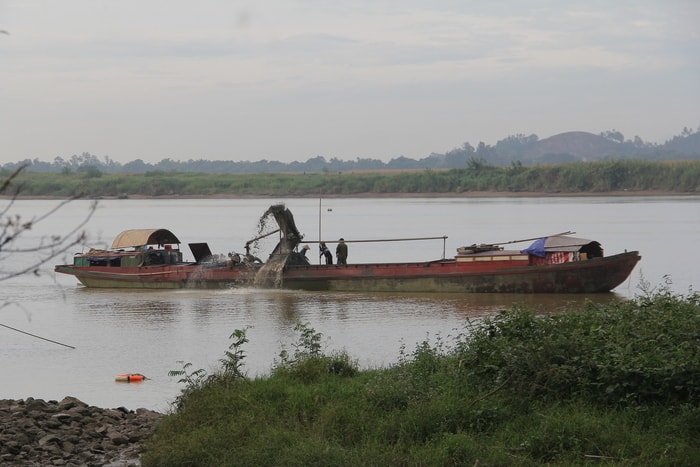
(589,276)
(453,276)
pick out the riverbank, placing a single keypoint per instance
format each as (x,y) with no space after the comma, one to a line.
(597,179)
(573,388)
(34,432)
(471,194)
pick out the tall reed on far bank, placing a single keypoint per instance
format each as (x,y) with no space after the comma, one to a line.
(620,176)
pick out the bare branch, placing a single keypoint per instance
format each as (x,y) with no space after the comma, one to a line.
(5,186)
(13,227)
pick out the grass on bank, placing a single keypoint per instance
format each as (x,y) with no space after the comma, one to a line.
(614,384)
(478,176)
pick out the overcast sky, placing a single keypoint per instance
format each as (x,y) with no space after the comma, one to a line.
(289,80)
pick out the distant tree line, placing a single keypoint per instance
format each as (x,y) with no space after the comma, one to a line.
(519,149)
(476,177)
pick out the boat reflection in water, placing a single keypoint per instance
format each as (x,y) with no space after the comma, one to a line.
(152,258)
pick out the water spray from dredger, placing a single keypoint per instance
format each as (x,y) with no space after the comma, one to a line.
(270,274)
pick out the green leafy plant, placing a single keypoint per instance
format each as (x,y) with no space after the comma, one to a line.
(309,362)
(232,365)
(231,369)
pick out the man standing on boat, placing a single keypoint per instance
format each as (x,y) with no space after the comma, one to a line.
(325,252)
(341,252)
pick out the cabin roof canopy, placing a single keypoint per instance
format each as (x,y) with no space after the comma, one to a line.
(142,237)
(562,243)
(565,243)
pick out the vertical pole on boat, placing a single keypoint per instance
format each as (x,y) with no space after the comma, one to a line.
(444,241)
(320,196)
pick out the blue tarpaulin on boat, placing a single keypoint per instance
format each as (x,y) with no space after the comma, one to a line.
(536,249)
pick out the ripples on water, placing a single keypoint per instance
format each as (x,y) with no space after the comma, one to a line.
(151,332)
(148,332)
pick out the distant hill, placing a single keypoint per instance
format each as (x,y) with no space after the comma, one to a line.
(684,145)
(572,146)
(577,145)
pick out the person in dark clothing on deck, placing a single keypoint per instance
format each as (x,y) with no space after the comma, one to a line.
(341,252)
(325,252)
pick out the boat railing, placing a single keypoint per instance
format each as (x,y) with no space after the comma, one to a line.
(379,240)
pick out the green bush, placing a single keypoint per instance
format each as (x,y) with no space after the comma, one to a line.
(626,353)
(613,384)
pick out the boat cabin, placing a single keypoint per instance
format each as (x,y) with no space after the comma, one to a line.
(135,248)
(562,249)
(556,249)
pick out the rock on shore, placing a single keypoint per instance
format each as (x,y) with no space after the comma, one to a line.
(34,432)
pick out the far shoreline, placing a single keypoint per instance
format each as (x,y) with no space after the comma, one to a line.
(470,194)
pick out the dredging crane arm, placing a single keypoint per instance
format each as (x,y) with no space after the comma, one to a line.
(247,244)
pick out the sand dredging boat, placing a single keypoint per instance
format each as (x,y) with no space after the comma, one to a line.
(152,259)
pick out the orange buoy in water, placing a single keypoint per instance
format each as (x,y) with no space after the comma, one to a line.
(129,378)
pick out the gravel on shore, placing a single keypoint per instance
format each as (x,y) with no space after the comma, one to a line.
(34,432)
